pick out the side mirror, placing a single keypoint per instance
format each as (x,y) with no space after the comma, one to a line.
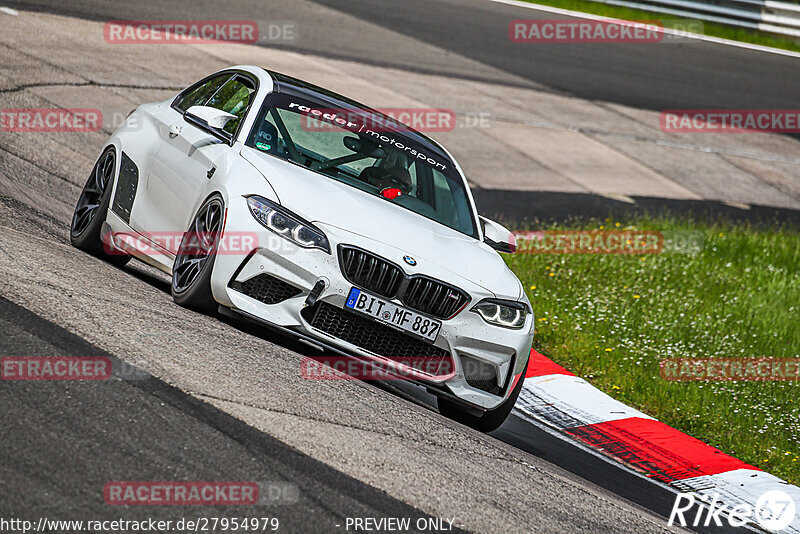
(498,236)
(211,119)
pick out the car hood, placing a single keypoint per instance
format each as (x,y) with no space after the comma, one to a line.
(325,201)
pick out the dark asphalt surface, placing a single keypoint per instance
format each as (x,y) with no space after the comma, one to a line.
(690,74)
(657,76)
(64,440)
(558,450)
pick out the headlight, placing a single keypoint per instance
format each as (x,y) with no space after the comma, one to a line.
(286,224)
(505,313)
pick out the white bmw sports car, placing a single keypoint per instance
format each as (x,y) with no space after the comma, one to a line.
(322,218)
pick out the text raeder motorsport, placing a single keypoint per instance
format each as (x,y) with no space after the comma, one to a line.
(344,123)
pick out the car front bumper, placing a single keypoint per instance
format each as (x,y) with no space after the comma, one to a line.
(466,337)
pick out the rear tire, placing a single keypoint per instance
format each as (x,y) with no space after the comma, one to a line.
(90,212)
(191,272)
(487,421)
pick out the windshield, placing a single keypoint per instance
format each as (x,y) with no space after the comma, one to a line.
(367,152)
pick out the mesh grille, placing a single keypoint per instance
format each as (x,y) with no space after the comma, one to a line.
(380,276)
(371,272)
(373,336)
(434,298)
(267,289)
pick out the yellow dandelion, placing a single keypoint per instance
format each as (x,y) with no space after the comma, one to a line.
(552,274)
(616,224)
(533,287)
(637,296)
(609,350)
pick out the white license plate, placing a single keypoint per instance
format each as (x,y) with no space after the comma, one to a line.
(389,313)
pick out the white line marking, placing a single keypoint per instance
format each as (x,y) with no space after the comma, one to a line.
(9,11)
(689,35)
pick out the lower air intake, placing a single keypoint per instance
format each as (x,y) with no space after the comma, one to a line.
(480,375)
(377,338)
(267,289)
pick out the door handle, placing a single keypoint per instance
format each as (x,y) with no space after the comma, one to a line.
(174,130)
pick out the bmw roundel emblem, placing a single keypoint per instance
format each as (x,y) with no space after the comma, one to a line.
(409,260)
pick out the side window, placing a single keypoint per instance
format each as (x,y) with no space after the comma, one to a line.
(198,95)
(233,97)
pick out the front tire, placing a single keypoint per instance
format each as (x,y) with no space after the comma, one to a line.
(191,272)
(89,215)
(487,421)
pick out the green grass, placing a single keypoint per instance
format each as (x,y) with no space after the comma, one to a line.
(669,21)
(612,318)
